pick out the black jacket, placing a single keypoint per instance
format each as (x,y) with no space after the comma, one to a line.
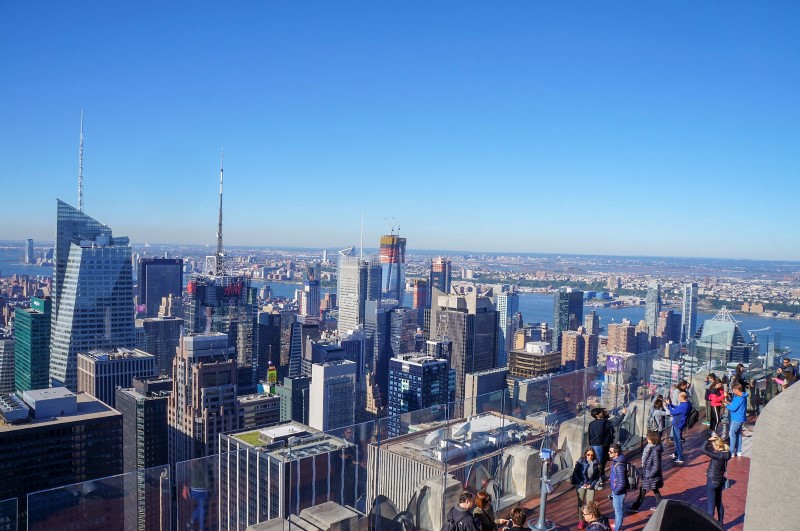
(717,465)
(601,431)
(464,520)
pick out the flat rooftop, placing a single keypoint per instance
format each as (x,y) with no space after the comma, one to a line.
(88,408)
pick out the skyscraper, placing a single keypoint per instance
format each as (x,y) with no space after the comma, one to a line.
(689,309)
(101,372)
(441,275)
(622,337)
(67,439)
(567,313)
(592,323)
(357,281)
(652,307)
(158,278)
(393,265)
(421,294)
(32,356)
(309,306)
(203,400)
(93,293)
(507,304)
(416,381)
(6,366)
(469,324)
(333,387)
(30,258)
(161,337)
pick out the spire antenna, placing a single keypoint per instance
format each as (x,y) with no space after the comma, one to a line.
(80,169)
(220,251)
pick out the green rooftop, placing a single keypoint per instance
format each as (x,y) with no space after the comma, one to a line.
(250,437)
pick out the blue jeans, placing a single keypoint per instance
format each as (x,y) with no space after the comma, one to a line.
(619,511)
(714,494)
(735,435)
(676,438)
(200,497)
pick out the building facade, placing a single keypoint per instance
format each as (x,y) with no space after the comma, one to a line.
(93,287)
(158,278)
(507,304)
(689,311)
(393,267)
(32,349)
(567,313)
(203,400)
(332,391)
(101,372)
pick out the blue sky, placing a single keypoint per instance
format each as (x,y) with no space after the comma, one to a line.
(578,127)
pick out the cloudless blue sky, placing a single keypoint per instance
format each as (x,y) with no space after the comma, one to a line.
(651,128)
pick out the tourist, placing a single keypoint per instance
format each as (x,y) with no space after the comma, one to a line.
(585,477)
(601,434)
(460,517)
(716,400)
(517,519)
(719,453)
(594,518)
(738,377)
(711,383)
(658,416)
(652,479)
(681,387)
(619,483)
(737,410)
(679,414)
(484,513)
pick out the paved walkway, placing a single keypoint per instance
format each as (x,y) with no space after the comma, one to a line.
(685,482)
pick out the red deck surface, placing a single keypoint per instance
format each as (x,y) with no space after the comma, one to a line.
(685,482)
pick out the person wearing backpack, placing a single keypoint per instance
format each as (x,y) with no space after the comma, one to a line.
(619,483)
(460,518)
(652,479)
(595,519)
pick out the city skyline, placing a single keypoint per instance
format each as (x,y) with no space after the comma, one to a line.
(668,132)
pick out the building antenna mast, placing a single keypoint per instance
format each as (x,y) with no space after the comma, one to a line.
(80,169)
(220,252)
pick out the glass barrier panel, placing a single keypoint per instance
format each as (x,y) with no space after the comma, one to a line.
(136,500)
(407,478)
(8,515)
(197,484)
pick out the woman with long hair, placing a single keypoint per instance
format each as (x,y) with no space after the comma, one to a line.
(720,454)
(716,399)
(652,479)
(585,476)
(658,416)
(484,513)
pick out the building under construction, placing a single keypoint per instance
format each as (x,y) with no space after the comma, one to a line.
(393,264)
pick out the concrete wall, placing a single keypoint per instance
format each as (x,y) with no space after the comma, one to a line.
(774,467)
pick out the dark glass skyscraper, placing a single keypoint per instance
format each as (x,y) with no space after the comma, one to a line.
(158,277)
(567,314)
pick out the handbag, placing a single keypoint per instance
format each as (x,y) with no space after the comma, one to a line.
(726,484)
